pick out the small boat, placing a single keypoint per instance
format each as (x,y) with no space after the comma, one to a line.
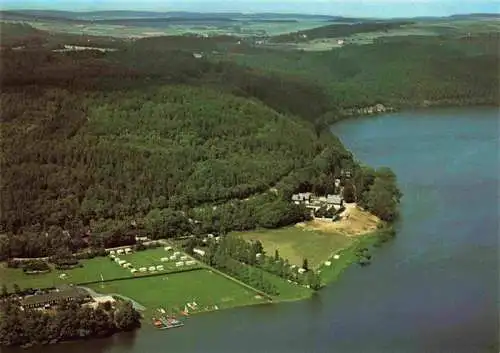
(171,322)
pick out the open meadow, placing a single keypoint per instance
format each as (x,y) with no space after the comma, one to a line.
(297,243)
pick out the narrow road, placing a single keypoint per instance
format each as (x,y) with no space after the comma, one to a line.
(135,304)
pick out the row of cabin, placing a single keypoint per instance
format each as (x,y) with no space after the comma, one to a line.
(65,294)
(150,269)
(120,251)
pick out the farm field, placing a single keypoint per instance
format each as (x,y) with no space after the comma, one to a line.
(91,271)
(295,243)
(173,291)
(123,31)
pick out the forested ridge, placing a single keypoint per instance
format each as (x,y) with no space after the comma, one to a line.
(99,147)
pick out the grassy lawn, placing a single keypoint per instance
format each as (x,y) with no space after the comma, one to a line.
(153,258)
(91,271)
(347,257)
(173,291)
(296,243)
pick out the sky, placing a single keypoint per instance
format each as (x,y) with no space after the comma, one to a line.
(363,8)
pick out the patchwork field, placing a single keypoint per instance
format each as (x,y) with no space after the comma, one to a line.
(297,243)
(173,291)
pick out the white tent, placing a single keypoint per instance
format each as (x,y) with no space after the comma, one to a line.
(336,257)
(119,251)
(191,262)
(143,269)
(163,259)
(159,267)
(179,264)
(328,263)
(167,248)
(184,258)
(152,268)
(112,252)
(302,270)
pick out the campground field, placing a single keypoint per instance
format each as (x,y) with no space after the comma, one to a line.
(97,269)
(297,243)
(91,271)
(173,291)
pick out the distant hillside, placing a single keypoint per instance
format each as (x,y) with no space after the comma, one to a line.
(339,30)
(51,15)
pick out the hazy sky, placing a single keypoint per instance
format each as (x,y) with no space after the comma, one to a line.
(377,8)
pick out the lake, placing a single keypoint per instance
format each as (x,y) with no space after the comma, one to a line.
(433,289)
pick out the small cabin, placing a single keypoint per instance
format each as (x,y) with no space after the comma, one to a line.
(199,252)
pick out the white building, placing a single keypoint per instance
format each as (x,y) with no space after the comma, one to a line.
(199,252)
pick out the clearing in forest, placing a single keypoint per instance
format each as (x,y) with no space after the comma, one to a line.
(297,243)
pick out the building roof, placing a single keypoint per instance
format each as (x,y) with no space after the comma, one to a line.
(61,294)
(334,199)
(301,196)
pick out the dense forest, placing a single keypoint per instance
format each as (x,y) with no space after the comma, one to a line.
(152,136)
(395,71)
(71,321)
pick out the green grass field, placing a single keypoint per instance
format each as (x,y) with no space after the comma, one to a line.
(295,243)
(347,257)
(91,271)
(153,258)
(173,291)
